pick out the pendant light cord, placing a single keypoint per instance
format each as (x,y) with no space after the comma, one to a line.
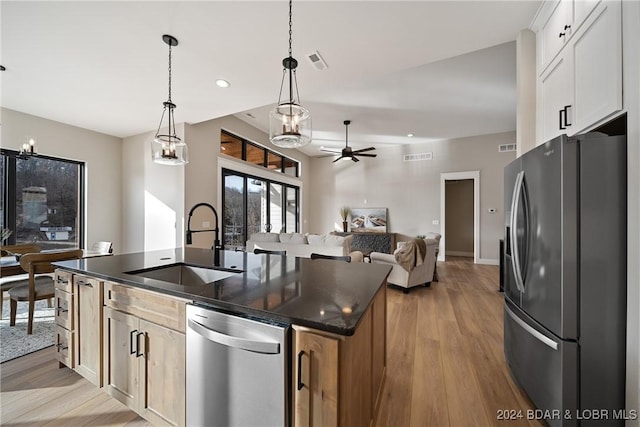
(290,30)
(169,72)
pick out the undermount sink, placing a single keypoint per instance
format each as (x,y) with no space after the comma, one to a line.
(183,274)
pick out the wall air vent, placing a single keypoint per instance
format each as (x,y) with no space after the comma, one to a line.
(317,61)
(417,157)
(503,148)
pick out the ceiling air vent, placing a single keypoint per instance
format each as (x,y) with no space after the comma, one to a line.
(417,157)
(317,61)
(503,148)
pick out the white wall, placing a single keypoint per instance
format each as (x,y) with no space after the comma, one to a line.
(153,198)
(202,174)
(411,190)
(101,154)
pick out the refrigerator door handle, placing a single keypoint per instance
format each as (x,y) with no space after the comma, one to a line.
(538,335)
(515,250)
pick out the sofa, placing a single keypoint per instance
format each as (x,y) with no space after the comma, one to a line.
(421,274)
(303,245)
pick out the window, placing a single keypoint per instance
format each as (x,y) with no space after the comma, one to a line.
(42,200)
(252,204)
(251,152)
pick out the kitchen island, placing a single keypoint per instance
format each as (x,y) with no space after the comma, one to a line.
(135,305)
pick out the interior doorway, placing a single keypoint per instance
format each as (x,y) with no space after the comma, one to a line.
(460,214)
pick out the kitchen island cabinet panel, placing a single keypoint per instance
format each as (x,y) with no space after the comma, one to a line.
(162,375)
(157,308)
(145,352)
(88,329)
(121,365)
(338,380)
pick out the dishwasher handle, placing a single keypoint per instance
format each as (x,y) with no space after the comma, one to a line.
(234,342)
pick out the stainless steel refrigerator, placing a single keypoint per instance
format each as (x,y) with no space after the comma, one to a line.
(565,277)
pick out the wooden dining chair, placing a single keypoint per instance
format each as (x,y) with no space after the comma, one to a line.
(34,289)
(14,251)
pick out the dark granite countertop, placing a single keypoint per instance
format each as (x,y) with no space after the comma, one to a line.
(322,294)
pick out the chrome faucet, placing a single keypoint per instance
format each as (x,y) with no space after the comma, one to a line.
(216,242)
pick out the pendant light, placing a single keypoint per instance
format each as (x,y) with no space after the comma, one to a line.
(168,149)
(289,122)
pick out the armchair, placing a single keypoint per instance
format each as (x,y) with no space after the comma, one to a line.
(420,275)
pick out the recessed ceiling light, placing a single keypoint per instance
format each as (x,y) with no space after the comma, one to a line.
(222,83)
(410,135)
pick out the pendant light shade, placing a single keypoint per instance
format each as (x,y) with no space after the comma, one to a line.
(289,122)
(168,149)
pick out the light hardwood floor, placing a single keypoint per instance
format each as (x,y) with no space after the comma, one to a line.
(445,365)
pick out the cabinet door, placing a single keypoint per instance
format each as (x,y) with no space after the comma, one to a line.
(88,328)
(597,53)
(315,380)
(555,31)
(162,375)
(555,92)
(121,363)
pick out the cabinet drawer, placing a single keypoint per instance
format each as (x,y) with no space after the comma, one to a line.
(64,309)
(161,309)
(63,281)
(64,346)
(86,281)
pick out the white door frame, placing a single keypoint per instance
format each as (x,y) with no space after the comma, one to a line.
(449,176)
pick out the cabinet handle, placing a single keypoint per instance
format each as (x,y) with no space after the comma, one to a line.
(83,283)
(62,310)
(131,350)
(560,119)
(61,280)
(566,115)
(561,35)
(138,335)
(300,383)
(62,346)
(567,27)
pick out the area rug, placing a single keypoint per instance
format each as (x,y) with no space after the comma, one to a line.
(14,341)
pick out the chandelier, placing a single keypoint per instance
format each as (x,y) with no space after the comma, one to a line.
(289,122)
(168,149)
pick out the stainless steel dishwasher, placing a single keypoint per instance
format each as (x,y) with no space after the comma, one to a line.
(237,370)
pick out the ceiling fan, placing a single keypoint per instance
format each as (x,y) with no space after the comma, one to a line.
(347,152)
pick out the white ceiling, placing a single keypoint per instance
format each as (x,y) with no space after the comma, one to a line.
(435,69)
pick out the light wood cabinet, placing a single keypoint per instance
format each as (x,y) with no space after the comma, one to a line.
(78,304)
(145,361)
(338,380)
(88,328)
(580,80)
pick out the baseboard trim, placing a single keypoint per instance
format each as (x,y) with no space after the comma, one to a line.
(488,261)
(459,253)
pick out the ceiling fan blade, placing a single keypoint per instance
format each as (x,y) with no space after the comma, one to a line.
(364,155)
(355,159)
(331,150)
(337,159)
(364,149)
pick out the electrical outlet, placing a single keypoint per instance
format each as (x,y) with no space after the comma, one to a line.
(435,222)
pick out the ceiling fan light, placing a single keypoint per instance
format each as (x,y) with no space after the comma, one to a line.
(290,126)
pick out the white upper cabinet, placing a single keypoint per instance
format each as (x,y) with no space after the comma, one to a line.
(579,72)
(555,31)
(597,59)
